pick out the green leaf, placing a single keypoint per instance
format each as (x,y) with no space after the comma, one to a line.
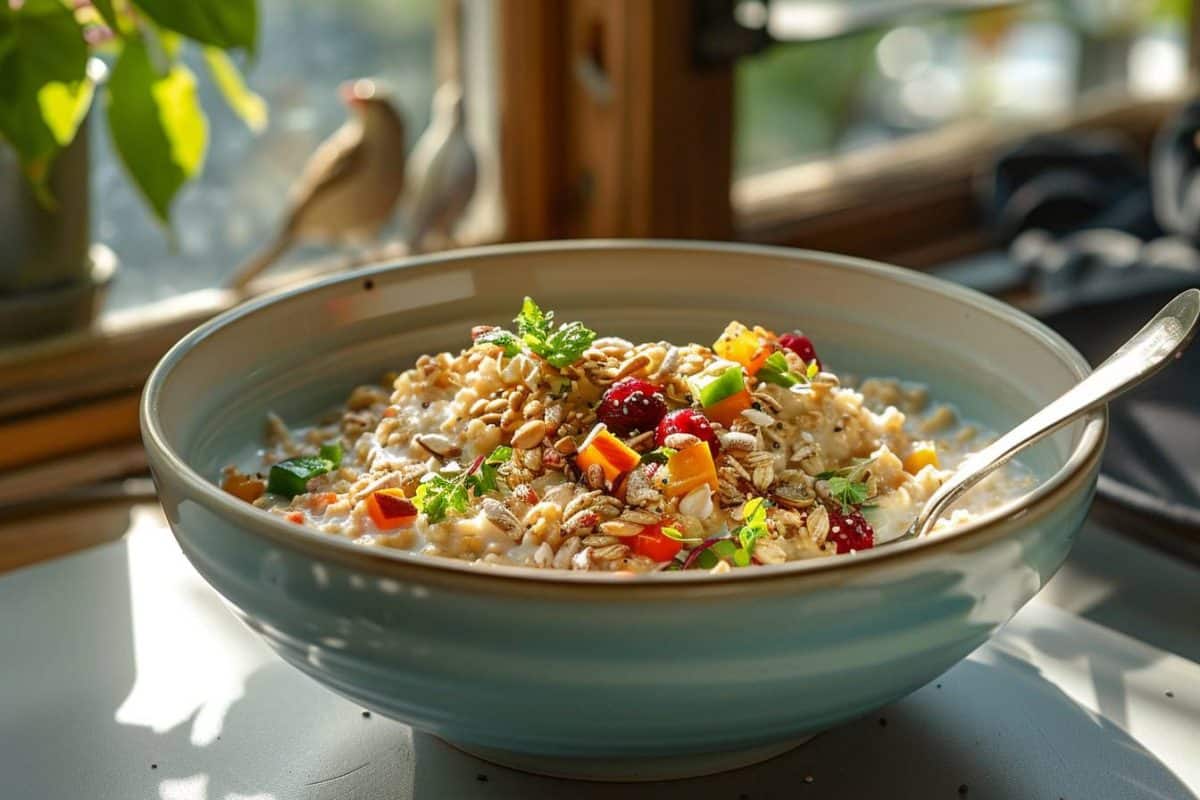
(848,492)
(108,14)
(484,479)
(44,91)
(438,496)
(222,23)
(502,338)
(156,124)
(741,557)
(245,103)
(659,455)
(559,347)
(532,322)
(776,370)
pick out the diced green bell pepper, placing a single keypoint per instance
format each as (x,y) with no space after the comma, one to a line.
(290,477)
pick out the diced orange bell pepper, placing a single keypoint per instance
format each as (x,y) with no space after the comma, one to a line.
(727,410)
(390,509)
(921,456)
(690,467)
(243,486)
(742,345)
(613,456)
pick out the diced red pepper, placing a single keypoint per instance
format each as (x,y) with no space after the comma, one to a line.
(655,545)
(390,509)
(295,517)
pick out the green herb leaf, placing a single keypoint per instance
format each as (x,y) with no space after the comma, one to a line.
(567,344)
(776,370)
(658,455)
(812,370)
(848,492)
(533,324)
(677,535)
(707,560)
(724,548)
(502,338)
(559,347)
(741,557)
(754,524)
(439,495)
(485,478)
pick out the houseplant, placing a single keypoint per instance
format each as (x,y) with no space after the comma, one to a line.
(58,60)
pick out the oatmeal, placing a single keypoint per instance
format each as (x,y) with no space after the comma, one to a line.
(551,447)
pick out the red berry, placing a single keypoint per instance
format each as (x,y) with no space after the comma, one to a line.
(631,405)
(801,345)
(850,531)
(687,420)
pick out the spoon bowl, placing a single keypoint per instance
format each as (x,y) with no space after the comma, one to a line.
(1144,354)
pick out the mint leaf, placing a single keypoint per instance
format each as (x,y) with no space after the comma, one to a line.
(439,495)
(775,370)
(848,492)
(559,347)
(567,344)
(533,324)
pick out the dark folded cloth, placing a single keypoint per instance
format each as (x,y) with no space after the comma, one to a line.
(1080,211)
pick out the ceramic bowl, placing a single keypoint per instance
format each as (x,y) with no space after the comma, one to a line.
(597,675)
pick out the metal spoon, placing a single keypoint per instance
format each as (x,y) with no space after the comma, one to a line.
(1146,352)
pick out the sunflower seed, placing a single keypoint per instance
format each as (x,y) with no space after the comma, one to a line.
(529,434)
(438,445)
(620,528)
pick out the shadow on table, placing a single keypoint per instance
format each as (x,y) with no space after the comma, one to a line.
(1003,732)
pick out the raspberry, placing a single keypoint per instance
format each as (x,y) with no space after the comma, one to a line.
(850,531)
(801,345)
(687,420)
(631,405)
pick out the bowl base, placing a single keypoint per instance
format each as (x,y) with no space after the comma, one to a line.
(630,770)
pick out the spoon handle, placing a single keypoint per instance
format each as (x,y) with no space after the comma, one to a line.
(1146,352)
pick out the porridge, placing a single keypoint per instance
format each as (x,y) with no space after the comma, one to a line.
(548,446)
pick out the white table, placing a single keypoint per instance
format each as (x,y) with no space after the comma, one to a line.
(122,675)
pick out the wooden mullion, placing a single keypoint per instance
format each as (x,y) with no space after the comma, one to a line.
(532,49)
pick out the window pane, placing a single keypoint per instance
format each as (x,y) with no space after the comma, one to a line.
(801,101)
(307,48)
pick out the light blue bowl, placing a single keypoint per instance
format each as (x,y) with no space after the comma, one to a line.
(596,675)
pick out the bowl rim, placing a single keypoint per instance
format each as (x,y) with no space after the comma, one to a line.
(405,565)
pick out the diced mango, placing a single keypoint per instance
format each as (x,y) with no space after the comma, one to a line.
(729,409)
(613,455)
(923,455)
(690,467)
(743,346)
(244,487)
(390,509)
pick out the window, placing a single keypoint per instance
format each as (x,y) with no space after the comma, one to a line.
(307,48)
(803,101)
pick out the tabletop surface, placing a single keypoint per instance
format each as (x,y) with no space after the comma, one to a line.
(125,676)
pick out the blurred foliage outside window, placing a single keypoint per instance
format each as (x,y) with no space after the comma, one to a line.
(306,49)
(798,102)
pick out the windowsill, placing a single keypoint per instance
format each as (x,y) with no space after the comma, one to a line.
(913,201)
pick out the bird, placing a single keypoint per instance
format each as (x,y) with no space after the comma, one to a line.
(442,171)
(351,183)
